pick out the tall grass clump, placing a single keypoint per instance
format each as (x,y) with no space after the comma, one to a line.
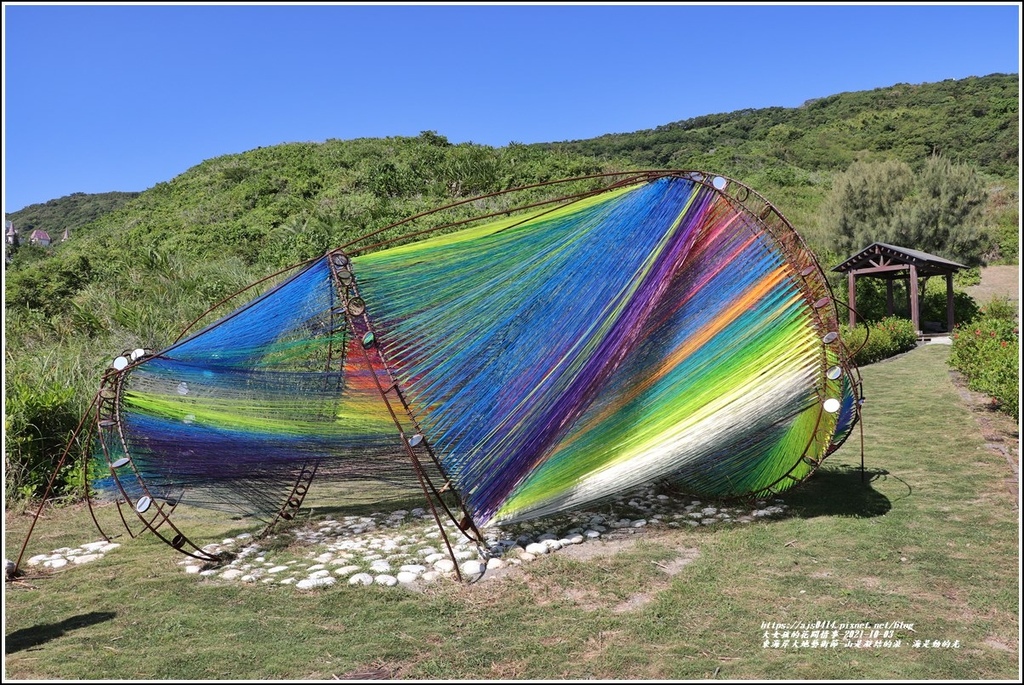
(878,340)
(987,353)
(39,419)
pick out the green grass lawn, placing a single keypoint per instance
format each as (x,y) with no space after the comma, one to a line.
(928,542)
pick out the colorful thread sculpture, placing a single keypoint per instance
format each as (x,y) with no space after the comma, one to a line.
(666,326)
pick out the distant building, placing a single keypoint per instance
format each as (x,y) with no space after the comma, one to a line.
(10,233)
(66,235)
(39,237)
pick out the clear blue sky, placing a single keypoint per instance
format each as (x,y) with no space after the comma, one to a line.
(121,97)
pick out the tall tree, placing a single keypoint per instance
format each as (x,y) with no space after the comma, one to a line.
(945,211)
(862,203)
(936,210)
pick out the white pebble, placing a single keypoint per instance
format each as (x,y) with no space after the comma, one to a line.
(444,565)
(361,579)
(406,576)
(86,558)
(231,574)
(385,579)
(413,568)
(346,570)
(473,567)
(309,583)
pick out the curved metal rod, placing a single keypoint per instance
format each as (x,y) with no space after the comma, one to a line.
(179,539)
(560,201)
(477,198)
(345,289)
(49,484)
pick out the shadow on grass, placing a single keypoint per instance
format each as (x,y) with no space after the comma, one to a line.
(37,635)
(840,491)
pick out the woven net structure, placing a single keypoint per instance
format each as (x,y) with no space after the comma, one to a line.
(656,326)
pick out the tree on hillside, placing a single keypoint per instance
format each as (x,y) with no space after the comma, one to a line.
(945,211)
(936,210)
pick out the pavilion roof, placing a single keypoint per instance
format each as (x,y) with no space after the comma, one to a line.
(878,256)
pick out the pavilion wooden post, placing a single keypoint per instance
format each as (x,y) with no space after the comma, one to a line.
(915,308)
(949,303)
(851,281)
(888,296)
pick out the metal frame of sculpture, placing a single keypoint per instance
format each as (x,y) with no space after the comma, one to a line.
(652,326)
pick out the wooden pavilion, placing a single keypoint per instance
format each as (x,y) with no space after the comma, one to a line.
(891,262)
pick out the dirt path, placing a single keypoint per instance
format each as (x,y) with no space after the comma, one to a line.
(1002,281)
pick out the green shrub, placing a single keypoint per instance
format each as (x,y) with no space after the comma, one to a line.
(967,277)
(1000,307)
(987,353)
(39,420)
(879,340)
(933,305)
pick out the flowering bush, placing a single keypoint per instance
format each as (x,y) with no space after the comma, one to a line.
(987,353)
(879,340)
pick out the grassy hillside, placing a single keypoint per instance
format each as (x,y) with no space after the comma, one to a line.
(790,153)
